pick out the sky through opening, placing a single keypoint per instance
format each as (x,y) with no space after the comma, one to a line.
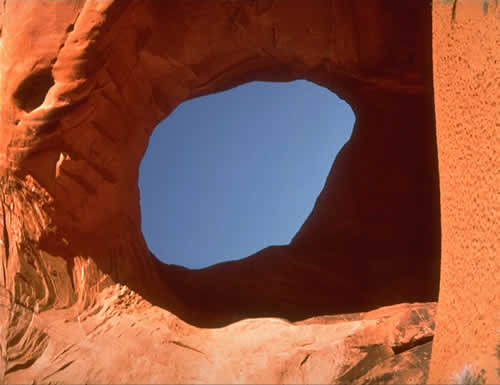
(228,174)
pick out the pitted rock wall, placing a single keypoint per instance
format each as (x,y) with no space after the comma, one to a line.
(467,92)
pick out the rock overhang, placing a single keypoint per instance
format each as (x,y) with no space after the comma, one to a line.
(119,69)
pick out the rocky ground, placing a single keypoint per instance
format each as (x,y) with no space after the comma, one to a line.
(124,339)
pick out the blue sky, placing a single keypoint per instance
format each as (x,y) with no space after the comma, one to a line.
(228,174)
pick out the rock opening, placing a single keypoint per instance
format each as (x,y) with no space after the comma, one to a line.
(31,93)
(228,174)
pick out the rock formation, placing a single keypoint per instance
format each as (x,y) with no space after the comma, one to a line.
(467,88)
(124,339)
(84,83)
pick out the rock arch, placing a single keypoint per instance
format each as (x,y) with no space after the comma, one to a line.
(123,68)
(69,165)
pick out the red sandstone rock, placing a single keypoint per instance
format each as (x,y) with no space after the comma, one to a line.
(83,85)
(467,89)
(79,110)
(124,339)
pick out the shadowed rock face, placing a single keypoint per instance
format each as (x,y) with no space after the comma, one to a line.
(82,91)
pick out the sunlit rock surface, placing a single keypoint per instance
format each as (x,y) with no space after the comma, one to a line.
(124,339)
(84,83)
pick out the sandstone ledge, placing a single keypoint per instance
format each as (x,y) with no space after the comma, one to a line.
(124,339)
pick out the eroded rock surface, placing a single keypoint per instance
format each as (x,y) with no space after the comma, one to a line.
(124,339)
(467,88)
(82,86)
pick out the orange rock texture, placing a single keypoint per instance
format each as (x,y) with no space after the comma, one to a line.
(466,53)
(82,299)
(124,339)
